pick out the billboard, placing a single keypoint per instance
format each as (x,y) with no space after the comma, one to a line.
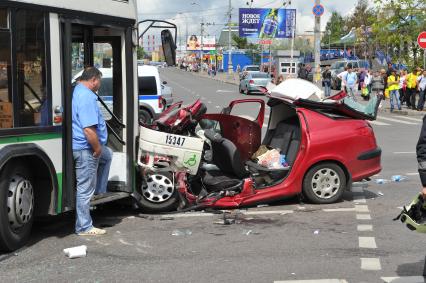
(193,43)
(267,23)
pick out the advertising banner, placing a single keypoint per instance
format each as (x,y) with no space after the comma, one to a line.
(193,43)
(266,23)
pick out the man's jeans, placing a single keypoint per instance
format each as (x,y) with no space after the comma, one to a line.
(422,94)
(88,169)
(351,92)
(327,88)
(394,95)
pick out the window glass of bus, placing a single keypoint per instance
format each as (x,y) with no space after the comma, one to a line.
(31,97)
(6,112)
(147,85)
(77,55)
(102,53)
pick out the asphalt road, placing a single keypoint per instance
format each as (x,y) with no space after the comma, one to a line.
(354,240)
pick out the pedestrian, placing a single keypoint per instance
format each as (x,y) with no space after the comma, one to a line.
(351,80)
(367,82)
(421,86)
(421,156)
(280,79)
(393,86)
(341,76)
(385,80)
(412,88)
(238,68)
(92,157)
(326,81)
(402,86)
(377,84)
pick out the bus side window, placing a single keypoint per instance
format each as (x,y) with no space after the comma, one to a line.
(32,99)
(6,111)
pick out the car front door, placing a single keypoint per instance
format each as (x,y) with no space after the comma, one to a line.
(241,122)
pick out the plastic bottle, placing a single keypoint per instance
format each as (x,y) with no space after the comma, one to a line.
(270,25)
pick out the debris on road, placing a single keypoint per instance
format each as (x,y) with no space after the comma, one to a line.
(316,232)
(76,252)
(398,178)
(380,193)
(381,181)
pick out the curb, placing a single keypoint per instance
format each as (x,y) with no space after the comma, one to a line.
(405,112)
(214,78)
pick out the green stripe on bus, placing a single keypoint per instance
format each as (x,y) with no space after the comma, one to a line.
(59,207)
(30,138)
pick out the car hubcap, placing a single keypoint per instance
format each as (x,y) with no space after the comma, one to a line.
(20,201)
(325,183)
(158,188)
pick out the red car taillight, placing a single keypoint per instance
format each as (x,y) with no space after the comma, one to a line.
(251,82)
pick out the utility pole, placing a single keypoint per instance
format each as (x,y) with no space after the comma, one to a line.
(201,45)
(230,67)
(317,40)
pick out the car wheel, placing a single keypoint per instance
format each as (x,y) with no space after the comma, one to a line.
(144,116)
(240,90)
(16,207)
(324,183)
(159,193)
(247,91)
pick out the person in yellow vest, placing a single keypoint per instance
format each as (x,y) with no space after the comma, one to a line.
(412,88)
(393,86)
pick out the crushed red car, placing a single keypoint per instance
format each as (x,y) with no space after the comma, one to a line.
(327,144)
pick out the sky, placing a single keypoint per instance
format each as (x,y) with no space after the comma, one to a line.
(187,14)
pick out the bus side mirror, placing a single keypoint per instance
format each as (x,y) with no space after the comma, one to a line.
(169,47)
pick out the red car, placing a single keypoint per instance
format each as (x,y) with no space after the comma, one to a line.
(327,147)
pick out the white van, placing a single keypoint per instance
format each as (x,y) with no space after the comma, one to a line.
(151,103)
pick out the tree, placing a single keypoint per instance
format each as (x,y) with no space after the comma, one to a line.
(335,24)
(241,42)
(141,53)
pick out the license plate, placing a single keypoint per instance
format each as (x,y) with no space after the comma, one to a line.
(175,140)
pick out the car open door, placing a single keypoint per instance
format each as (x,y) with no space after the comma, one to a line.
(241,122)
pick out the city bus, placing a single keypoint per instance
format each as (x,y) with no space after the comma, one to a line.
(43,44)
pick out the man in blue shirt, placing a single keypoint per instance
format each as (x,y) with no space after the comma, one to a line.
(351,80)
(91,155)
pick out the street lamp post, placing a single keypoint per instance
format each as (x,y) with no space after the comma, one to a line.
(345,29)
(329,34)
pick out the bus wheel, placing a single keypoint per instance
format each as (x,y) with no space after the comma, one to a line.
(16,206)
(144,116)
(159,193)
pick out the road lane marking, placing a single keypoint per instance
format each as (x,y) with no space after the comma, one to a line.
(397,121)
(364,227)
(404,152)
(314,281)
(363,217)
(339,209)
(209,102)
(412,174)
(359,199)
(361,208)
(404,279)
(379,123)
(367,243)
(370,264)
(223,90)
(412,119)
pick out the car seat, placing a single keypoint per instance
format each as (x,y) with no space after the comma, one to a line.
(230,170)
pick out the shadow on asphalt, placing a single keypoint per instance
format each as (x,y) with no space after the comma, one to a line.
(411,269)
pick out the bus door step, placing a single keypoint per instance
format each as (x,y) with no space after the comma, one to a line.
(108,197)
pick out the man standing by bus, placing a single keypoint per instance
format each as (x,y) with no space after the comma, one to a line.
(91,156)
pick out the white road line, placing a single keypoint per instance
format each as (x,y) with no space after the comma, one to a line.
(361,208)
(404,152)
(201,214)
(209,102)
(364,228)
(359,199)
(411,118)
(379,123)
(314,281)
(367,242)
(363,217)
(370,264)
(397,121)
(412,174)
(339,209)
(404,279)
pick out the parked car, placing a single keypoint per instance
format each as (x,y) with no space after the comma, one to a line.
(339,66)
(327,146)
(251,81)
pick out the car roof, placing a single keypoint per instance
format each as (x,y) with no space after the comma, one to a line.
(147,70)
(106,73)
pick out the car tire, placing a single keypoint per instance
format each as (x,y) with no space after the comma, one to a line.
(144,116)
(247,91)
(324,183)
(240,90)
(16,206)
(151,197)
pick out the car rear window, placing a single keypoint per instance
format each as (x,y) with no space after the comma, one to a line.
(147,85)
(254,68)
(260,76)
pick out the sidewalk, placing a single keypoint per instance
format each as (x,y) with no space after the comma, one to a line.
(234,80)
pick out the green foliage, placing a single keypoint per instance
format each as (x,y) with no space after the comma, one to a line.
(335,25)
(141,53)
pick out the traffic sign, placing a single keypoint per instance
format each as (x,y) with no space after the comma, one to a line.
(318,10)
(265,41)
(421,40)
